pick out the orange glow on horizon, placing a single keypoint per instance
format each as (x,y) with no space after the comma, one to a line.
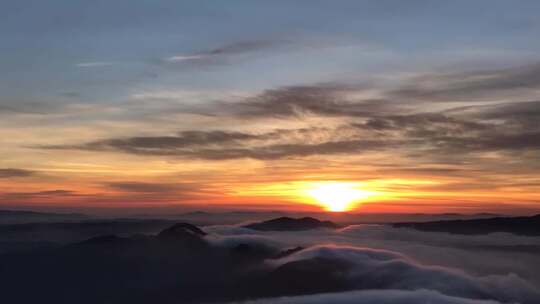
(334,196)
(337,193)
(337,196)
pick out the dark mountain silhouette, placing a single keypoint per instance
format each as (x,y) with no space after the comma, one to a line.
(177,265)
(291,224)
(67,232)
(186,235)
(524,225)
(182,230)
(20,217)
(180,264)
(342,218)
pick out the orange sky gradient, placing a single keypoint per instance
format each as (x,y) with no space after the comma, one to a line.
(212,107)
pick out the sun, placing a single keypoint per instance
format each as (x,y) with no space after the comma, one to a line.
(337,196)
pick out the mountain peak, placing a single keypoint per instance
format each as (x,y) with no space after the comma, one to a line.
(291,224)
(182,228)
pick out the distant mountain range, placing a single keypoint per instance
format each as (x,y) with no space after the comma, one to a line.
(176,265)
(20,217)
(341,218)
(523,225)
(233,217)
(180,263)
(72,231)
(292,224)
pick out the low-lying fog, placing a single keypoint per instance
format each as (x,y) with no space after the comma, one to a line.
(405,259)
(365,263)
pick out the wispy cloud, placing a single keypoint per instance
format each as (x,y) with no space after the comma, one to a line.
(221,54)
(94,64)
(151,188)
(485,135)
(178,58)
(58,193)
(14,172)
(486,85)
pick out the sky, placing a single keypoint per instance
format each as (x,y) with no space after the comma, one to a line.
(414,106)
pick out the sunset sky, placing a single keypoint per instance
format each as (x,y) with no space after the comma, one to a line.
(401,106)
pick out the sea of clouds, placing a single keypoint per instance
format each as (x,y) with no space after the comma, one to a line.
(401,265)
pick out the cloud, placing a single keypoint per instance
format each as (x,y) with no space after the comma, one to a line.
(519,115)
(408,95)
(184,57)
(38,194)
(482,255)
(141,187)
(94,64)
(281,151)
(380,269)
(330,268)
(362,118)
(222,54)
(430,135)
(335,266)
(364,99)
(167,145)
(471,85)
(373,297)
(222,145)
(447,134)
(136,191)
(13,172)
(32,108)
(244,46)
(423,124)
(327,99)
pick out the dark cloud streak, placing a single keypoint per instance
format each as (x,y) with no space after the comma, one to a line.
(143,187)
(470,85)
(425,135)
(14,172)
(222,55)
(326,99)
